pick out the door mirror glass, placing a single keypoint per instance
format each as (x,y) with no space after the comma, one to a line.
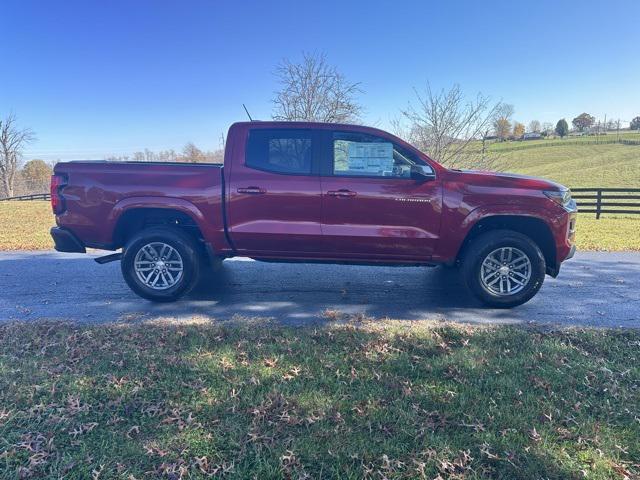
(422,173)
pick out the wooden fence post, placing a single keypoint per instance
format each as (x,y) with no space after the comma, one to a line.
(598,204)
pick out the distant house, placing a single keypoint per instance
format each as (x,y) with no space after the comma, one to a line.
(532,136)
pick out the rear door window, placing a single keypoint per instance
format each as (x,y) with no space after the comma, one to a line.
(286,151)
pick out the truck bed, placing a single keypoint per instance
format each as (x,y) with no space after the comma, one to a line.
(98,193)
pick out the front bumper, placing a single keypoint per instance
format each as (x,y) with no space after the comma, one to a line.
(67,242)
(565,245)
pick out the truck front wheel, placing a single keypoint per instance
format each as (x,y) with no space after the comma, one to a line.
(503,268)
(161,264)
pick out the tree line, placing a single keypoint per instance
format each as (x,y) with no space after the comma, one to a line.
(189,154)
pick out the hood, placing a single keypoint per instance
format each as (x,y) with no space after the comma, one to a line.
(505,180)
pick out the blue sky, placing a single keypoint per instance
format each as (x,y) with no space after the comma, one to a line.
(94,78)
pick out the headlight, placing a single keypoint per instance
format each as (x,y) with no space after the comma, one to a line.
(562,198)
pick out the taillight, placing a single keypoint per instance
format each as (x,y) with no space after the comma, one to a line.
(57,201)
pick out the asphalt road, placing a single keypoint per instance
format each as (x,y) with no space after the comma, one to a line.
(594,288)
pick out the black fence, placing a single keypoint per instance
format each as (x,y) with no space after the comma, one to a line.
(524,144)
(624,201)
(33,196)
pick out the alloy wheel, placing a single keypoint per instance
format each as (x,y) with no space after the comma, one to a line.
(158,265)
(505,271)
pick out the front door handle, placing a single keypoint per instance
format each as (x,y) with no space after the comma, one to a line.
(252,190)
(341,193)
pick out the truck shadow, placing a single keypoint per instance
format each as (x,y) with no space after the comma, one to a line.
(595,289)
(378,287)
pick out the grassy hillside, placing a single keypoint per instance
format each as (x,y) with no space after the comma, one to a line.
(575,165)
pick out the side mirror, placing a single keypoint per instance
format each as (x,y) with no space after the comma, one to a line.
(422,173)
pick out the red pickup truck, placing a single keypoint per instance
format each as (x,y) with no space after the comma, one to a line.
(313,192)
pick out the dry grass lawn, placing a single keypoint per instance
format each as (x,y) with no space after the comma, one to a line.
(25,225)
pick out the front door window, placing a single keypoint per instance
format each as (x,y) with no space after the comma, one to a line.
(361,155)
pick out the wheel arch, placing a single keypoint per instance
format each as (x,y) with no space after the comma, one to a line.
(533,227)
(132,215)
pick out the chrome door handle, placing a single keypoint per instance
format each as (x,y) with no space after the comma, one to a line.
(252,190)
(341,193)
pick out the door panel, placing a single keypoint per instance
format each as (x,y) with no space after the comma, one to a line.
(276,213)
(383,218)
(371,207)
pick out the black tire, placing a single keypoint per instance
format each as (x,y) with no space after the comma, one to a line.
(481,247)
(183,244)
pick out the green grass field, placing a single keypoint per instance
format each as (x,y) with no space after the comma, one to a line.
(135,401)
(577,165)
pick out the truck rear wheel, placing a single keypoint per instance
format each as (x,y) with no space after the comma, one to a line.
(503,268)
(161,264)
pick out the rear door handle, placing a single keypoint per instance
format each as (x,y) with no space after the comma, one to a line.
(341,193)
(252,190)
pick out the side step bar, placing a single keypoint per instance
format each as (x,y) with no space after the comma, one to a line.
(114,257)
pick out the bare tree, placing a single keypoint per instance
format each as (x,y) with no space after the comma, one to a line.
(315,91)
(502,120)
(192,154)
(139,157)
(166,156)
(12,142)
(217,156)
(448,127)
(400,129)
(534,126)
(547,128)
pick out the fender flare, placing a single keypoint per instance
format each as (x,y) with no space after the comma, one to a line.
(503,209)
(163,203)
(455,241)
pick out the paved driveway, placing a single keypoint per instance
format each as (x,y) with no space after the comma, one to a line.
(595,288)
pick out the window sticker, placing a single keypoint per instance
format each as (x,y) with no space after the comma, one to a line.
(370,158)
